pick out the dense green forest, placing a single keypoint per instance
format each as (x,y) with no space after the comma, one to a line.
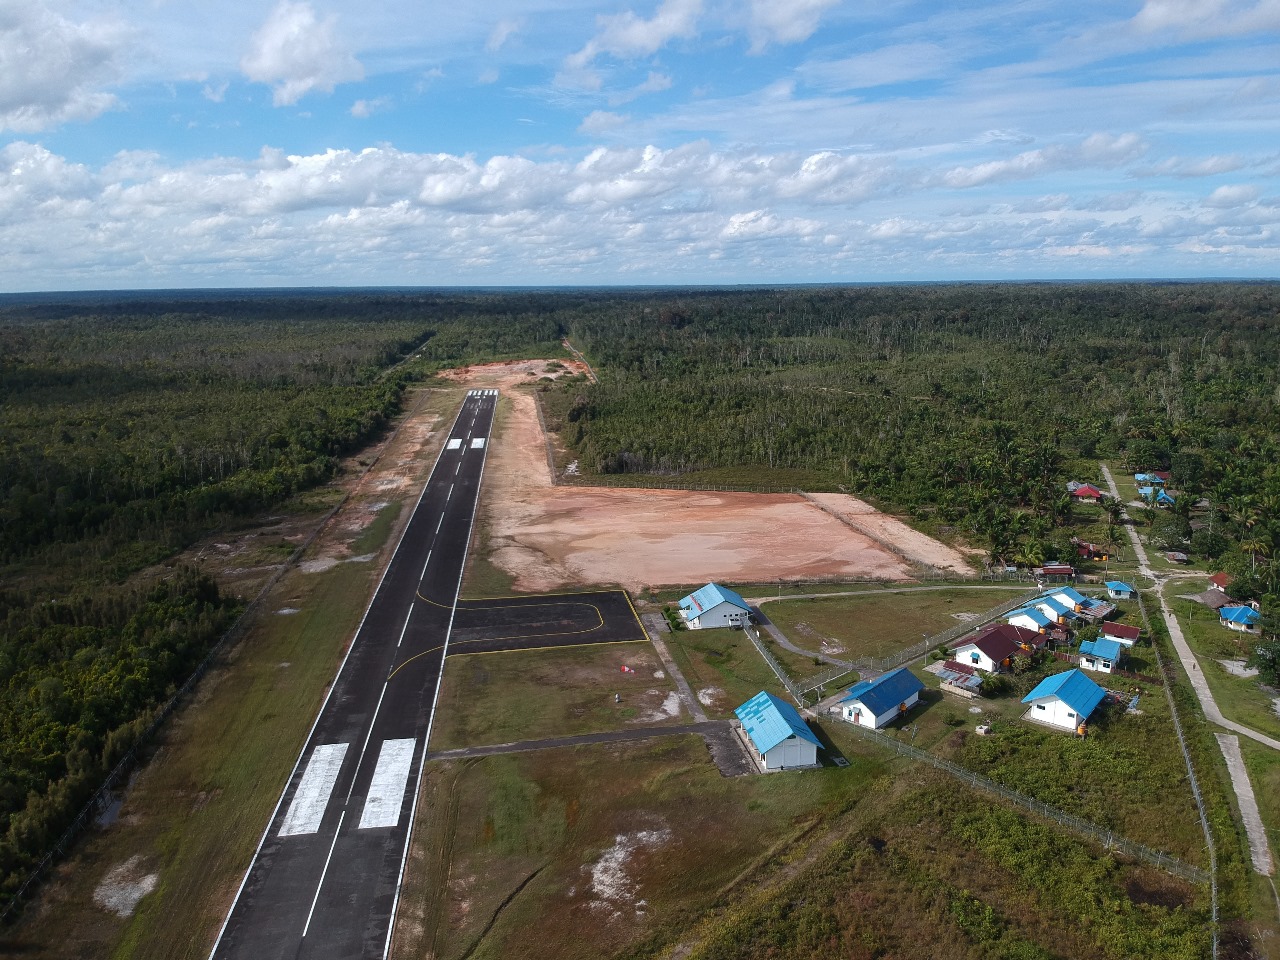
(133,425)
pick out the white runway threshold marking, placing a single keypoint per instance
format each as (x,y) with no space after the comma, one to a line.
(477,443)
(312,796)
(386,790)
(454,444)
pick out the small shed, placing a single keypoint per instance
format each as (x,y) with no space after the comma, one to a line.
(1064,700)
(1119,590)
(873,703)
(1121,633)
(714,606)
(1102,655)
(1242,619)
(1177,556)
(961,679)
(1055,571)
(780,736)
(1220,582)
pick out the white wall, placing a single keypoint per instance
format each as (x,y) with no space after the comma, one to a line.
(1025,621)
(866,719)
(1055,712)
(721,615)
(1095,663)
(965,655)
(792,752)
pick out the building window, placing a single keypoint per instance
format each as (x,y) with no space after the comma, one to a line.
(1040,706)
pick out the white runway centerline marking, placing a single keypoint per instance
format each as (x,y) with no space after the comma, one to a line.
(386,790)
(440,524)
(420,579)
(454,444)
(477,443)
(312,796)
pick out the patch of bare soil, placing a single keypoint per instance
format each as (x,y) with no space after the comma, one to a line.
(122,888)
(547,537)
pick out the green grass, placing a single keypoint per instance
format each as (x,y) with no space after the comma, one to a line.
(674,830)
(724,663)
(877,624)
(503,697)
(375,534)
(1263,765)
(1239,698)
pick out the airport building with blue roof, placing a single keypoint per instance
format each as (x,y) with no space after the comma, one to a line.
(714,606)
(1064,700)
(873,703)
(779,735)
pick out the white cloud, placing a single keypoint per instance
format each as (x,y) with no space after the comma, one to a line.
(1186,167)
(899,63)
(502,31)
(296,54)
(364,109)
(1098,150)
(626,36)
(655,83)
(601,121)
(215,93)
(1202,19)
(52,70)
(1236,195)
(785,21)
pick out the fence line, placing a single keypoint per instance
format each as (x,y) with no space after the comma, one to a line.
(796,693)
(1106,837)
(1170,678)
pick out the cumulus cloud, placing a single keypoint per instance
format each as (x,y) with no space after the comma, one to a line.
(626,36)
(1202,19)
(1099,150)
(297,53)
(1236,195)
(53,70)
(785,21)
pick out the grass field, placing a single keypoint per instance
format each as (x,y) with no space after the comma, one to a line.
(723,667)
(502,697)
(643,851)
(1239,698)
(880,623)
(193,815)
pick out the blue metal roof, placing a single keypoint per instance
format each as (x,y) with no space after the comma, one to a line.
(1103,647)
(1246,615)
(1055,605)
(1074,595)
(712,595)
(1035,615)
(1148,478)
(1073,688)
(768,721)
(886,691)
(1119,586)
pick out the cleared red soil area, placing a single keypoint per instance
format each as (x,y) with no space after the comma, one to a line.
(549,537)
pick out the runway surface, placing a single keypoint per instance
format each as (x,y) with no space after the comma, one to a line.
(325,880)
(326,877)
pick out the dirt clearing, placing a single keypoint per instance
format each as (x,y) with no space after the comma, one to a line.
(547,537)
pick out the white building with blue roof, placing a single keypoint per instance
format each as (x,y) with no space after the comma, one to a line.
(1119,590)
(1243,619)
(1102,655)
(873,703)
(1064,700)
(1029,618)
(781,738)
(714,606)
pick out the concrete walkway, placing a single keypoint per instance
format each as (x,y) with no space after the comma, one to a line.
(654,624)
(719,736)
(1259,851)
(1230,746)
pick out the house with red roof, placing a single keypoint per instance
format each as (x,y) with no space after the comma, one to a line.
(1220,581)
(1087,493)
(1121,633)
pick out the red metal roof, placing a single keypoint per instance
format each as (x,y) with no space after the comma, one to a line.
(1121,630)
(1221,580)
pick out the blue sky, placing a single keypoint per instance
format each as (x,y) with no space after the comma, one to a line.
(151,143)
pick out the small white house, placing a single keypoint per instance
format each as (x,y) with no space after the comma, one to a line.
(873,703)
(1119,590)
(1102,655)
(1064,700)
(989,651)
(1069,597)
(779,735)
(714,606)
(1121,633)
(1242,619)
(1029,618)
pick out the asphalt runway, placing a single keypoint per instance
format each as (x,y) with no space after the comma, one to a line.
(325,880)
(536,622)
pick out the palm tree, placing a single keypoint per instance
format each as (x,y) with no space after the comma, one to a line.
(1256,546)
